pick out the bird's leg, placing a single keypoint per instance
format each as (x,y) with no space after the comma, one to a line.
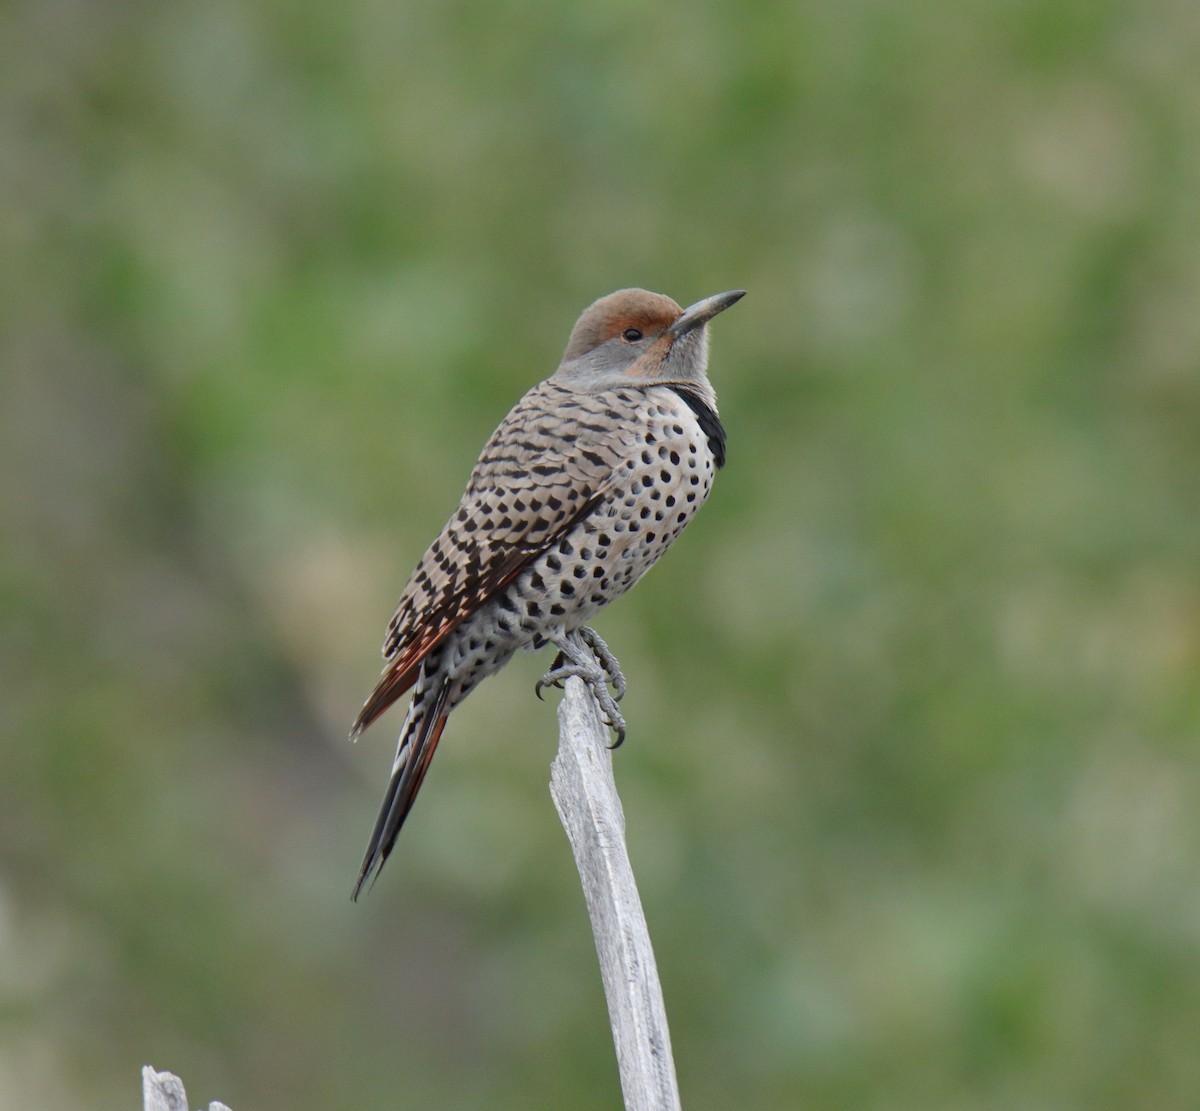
(604,656)
(576,659)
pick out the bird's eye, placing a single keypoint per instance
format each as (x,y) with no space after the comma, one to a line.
(631,335)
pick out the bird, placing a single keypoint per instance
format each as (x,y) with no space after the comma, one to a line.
(585,483)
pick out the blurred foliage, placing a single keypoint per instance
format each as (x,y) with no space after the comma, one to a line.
(912,782)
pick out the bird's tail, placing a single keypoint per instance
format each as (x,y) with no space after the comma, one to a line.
(422,730)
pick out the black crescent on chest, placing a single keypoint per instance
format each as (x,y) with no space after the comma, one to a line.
(710,423)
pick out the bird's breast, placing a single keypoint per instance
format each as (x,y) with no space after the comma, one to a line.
(665,476)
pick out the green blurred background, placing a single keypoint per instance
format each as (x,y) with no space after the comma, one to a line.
(912,780)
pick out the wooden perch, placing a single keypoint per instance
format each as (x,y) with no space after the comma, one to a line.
(581,783)
(163,1091)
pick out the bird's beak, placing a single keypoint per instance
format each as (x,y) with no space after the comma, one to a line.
(703,311)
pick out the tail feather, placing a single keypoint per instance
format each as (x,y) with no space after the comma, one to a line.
(393,683)
(418,740)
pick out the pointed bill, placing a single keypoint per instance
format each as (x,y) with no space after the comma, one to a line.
(703,311)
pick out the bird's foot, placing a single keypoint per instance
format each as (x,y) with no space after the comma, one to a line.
(585,656)
(605,658)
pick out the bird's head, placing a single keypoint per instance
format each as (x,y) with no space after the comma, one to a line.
(635,337)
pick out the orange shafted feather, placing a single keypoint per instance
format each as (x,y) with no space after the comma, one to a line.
(394,683)
(406,781)
(402,671)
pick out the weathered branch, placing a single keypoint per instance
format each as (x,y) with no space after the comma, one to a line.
(163,1091)
(581,783)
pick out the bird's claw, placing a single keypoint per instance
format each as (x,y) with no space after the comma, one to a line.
(552,678)
(617,727)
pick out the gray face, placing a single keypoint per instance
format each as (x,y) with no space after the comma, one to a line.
(653,358)
(634,337)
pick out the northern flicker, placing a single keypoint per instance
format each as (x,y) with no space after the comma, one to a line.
(586,482)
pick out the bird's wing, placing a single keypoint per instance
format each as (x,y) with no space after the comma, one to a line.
(549,464)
